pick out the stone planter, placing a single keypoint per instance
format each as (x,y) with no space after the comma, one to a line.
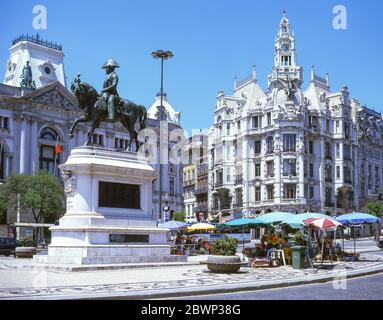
(223,264)
(25,252)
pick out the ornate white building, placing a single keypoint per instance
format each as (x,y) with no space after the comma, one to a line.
(32,120)
(289,148)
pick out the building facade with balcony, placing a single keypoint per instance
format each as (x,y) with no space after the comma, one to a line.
(33,120)
(289,148)
(189,184)
(195,178)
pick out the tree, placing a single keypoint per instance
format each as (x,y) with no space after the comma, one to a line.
(376,209)
(179,216)
(41,193)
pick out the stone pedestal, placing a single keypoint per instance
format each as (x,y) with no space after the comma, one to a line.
(109,216)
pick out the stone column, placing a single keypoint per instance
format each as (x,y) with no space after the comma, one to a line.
(301,172)
(322,190)
(7,164)
(109,139)
(301,179)
(24,149)
(356,180)
(277,169)
(246,174)
(34,147)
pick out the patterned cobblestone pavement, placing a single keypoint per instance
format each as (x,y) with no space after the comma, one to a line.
(169,279)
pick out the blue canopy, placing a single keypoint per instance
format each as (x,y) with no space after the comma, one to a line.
(242,222)
(296,220)
(273,217)
(173,225)
(357,218)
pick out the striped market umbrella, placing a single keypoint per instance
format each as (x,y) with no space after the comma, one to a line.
(324,223)
(297,220)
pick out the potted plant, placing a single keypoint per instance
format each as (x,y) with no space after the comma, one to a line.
(299,239)
(224,258)
(27,248)
(252,253)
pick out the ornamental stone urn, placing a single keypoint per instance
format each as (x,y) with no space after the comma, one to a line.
(25,252)
(223,264)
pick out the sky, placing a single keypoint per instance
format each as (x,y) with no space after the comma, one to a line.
(213,42)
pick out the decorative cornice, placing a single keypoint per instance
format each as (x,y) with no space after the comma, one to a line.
(36,39)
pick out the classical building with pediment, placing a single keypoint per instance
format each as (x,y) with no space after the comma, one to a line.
(34,118)
(290,148)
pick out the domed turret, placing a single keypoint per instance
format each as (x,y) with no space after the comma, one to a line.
(171,114)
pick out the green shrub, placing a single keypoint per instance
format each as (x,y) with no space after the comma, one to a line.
(252,252)
(27,242)
(225,246)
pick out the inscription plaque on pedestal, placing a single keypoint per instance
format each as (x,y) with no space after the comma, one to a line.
(126,238)
(118,195)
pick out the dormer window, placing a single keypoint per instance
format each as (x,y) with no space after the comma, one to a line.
(47,73)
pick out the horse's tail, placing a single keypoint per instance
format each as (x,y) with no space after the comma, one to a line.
(143,116)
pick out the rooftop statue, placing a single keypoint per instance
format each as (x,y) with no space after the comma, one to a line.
(26,77)
(108,106)
(290,88)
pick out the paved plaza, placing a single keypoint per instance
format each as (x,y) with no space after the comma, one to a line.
(164,281)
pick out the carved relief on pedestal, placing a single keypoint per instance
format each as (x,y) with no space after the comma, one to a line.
(70,183)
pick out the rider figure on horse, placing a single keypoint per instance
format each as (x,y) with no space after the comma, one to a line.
(109,91)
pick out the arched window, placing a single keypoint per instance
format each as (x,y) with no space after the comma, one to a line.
(49,134)
(49,159)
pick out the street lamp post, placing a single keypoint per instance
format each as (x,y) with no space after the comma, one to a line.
(166,208)
(163,55)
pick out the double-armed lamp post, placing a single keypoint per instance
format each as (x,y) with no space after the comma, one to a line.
(163,55)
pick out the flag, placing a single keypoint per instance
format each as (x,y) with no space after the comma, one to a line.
(57,148)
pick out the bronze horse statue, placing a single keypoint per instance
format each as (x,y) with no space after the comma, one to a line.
(96,111)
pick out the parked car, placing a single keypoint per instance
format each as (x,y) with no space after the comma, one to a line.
(380,245)
(8,246)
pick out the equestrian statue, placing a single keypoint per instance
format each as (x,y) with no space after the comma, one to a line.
(108,106)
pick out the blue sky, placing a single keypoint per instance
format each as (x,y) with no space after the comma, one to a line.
(213,41)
